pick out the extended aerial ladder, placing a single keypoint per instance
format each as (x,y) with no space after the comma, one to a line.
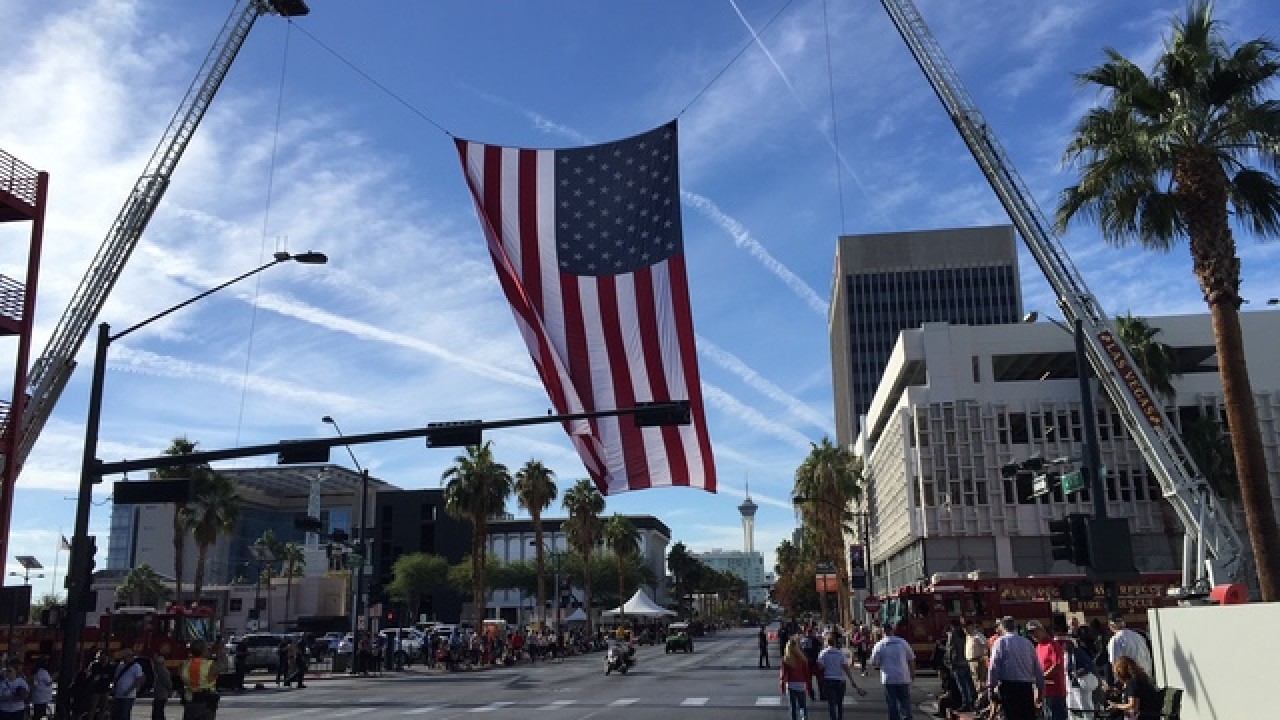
(1219,554)
(52,370)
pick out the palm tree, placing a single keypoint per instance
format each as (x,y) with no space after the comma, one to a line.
(181,520)
(294,560)
(535,491)
(583,528)
(214,510)
(142,585)
(621,536)
(826,484)
(1211,449)
(682,566)
(268,545)
(477,487)
(1167,156)
(1156,360)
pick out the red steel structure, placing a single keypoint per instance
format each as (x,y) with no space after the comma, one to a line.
(23,191)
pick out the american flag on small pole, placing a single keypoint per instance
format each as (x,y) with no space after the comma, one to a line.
(589,250)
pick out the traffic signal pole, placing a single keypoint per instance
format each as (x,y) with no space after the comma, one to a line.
(1092,454)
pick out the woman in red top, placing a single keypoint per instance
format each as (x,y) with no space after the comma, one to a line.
(795,680)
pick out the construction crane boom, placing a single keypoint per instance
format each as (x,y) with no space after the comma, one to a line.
(1180,480)
(52,370)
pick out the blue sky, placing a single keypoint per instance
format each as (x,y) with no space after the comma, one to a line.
(407,324)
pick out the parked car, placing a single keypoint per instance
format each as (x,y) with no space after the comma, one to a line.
(678,638)
(326,645)
(410,645)
(262,651)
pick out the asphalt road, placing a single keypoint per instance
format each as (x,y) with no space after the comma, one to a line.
(719,680)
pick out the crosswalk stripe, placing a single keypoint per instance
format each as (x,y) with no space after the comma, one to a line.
(768,700)
(624,701)
(695,701)
(491,707)
(558,704)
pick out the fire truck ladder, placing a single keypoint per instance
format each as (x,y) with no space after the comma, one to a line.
(1219,556)
(53,369)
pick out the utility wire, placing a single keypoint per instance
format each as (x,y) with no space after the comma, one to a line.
(746,46)
(266,219)
(835,119)
(356,69)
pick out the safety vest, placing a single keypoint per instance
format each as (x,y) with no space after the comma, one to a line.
(195,675)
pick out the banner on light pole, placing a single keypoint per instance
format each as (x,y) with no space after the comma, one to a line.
(857,567)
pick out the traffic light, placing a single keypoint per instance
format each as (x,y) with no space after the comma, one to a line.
(1069,539)
(1111,547)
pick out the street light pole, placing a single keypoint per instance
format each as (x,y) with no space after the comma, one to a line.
(79,569)
(357,602)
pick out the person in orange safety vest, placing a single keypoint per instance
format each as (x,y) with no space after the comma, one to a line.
(199,680)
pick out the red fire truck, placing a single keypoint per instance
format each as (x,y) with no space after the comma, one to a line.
(922,614)
(144,629)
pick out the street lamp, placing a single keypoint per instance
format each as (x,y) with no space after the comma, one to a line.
(79,571)
(358,592)
(28,563)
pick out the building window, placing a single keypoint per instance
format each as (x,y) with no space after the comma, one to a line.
(1018,428)
(236,605)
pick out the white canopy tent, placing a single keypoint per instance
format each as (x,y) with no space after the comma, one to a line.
(577,616)
(639,606)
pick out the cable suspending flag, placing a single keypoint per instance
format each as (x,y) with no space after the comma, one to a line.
(588,247)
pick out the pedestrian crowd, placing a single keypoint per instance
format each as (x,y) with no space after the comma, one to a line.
(814,666)
(107,688)
(1067,671)
(1033,672)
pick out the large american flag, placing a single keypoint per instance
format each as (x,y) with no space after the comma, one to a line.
(588,248)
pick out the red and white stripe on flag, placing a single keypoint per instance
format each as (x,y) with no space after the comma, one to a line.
(600,295)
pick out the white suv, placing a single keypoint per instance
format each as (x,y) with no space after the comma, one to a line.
(411,641)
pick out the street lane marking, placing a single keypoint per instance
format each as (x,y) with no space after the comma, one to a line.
(624,701)
(695,701)
(353,711)
(768,700)
(424,710)
(558,704)
(491,707)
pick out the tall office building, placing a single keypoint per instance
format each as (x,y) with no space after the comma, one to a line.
(891,282)
(749,566)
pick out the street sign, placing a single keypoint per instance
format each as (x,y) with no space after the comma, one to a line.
(1040,485)
(825,567)
(871,605)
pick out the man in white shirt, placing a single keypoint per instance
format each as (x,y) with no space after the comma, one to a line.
(41,692)
(897,663)
(1127,643)
(124,690)
(13,694)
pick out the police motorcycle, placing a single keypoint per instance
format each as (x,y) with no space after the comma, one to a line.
(621,656)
